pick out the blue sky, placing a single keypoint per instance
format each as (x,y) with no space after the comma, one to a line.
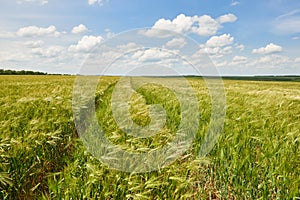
(241,37)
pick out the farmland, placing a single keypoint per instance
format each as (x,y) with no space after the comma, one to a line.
(42,157)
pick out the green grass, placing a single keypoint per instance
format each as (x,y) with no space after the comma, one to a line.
(256,157)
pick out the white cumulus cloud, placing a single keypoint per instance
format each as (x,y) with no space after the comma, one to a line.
(50,52)
(42,2)
(34,44)
(241,47)
(297,60)
(80,29)
(203,25)
(86,43)
(217,46)
(235,3)
(229,18)
(34,31)
(180,24)
(6,34)
(239,60)
(269,49)
(220,41)
(274,60)
(176,43)
(154,54)
(92,2)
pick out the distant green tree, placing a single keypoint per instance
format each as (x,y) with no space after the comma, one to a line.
(22,72)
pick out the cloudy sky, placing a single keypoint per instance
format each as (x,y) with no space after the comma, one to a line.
(240,37)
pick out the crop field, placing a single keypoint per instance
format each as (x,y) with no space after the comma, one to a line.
(257,155)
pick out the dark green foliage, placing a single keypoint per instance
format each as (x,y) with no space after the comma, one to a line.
(22,72)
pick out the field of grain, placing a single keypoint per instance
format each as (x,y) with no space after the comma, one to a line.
(42,157)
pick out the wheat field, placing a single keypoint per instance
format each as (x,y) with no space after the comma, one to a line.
(257,155)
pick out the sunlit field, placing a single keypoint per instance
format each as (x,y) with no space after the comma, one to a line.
(42,156)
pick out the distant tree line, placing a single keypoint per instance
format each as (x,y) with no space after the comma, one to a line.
(293,78)
(22,72)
